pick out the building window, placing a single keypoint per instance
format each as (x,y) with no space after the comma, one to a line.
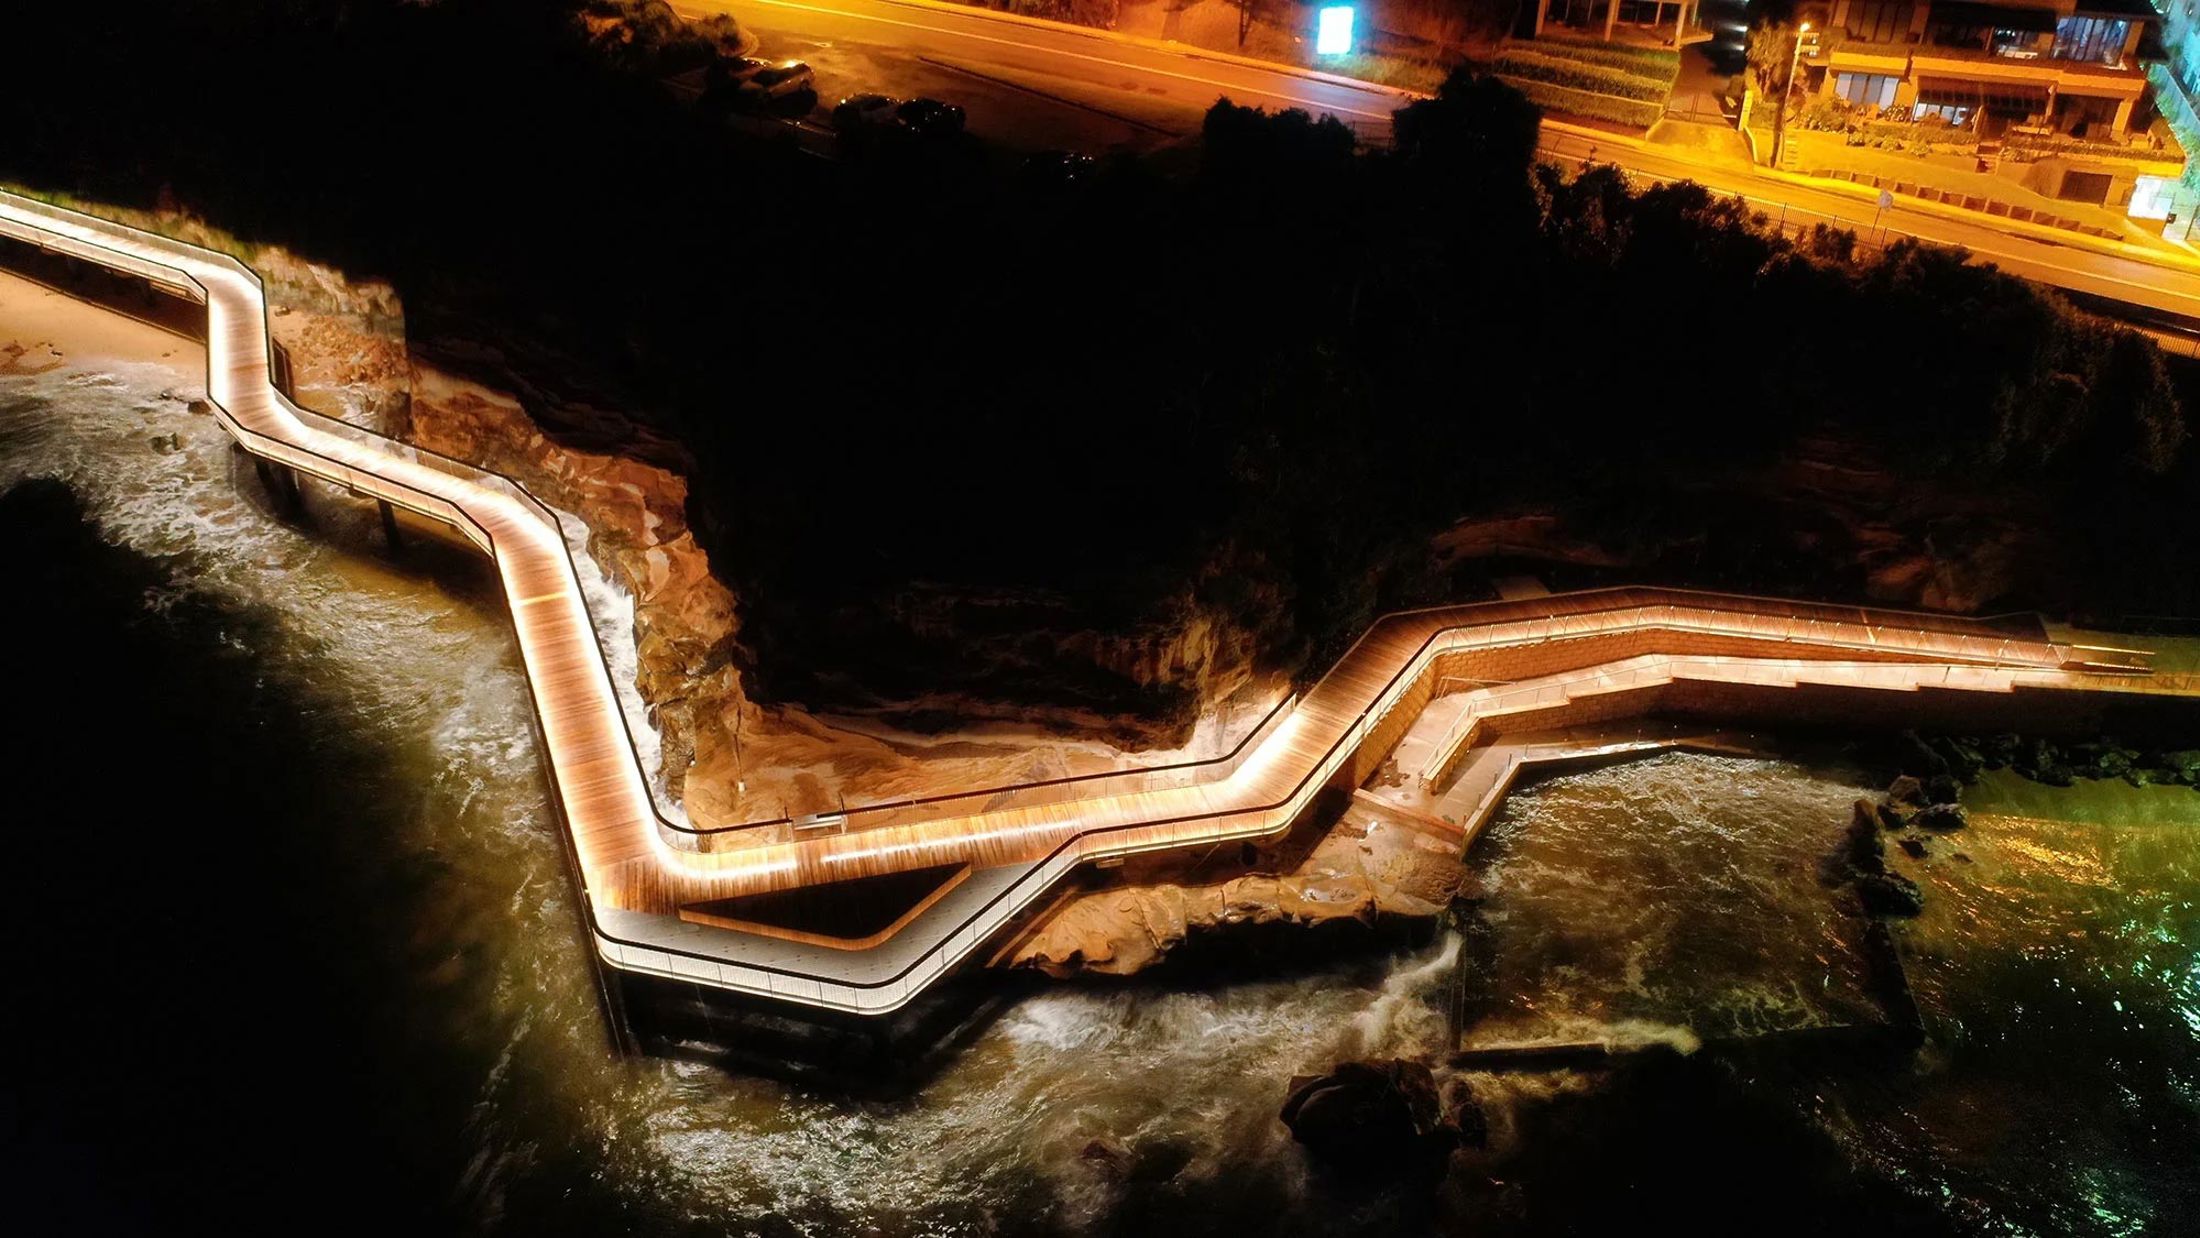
(1866,89)
(1958,34)
(1878,21)
(2098,39)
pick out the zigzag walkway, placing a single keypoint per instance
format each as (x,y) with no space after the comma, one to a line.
(653,888)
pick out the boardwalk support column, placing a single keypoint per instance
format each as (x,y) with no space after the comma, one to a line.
(389,525)
(281,485)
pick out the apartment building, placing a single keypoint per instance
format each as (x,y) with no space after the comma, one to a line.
(2058,87)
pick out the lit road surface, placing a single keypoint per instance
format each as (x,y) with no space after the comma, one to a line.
(1183,77)
(1188,79)
(2168,289)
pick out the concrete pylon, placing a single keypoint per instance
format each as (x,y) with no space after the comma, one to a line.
(389,526)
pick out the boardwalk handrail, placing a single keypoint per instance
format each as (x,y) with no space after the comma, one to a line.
(617,787)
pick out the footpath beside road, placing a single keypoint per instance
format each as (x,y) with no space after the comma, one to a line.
(2156,279)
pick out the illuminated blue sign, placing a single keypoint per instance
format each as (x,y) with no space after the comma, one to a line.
(1333,37)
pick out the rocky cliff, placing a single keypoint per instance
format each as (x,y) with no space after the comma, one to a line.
(1365,866)
(729,758)
(1836,518)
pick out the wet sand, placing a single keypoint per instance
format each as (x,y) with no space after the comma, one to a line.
(42,329)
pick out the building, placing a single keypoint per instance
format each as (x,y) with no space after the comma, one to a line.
(2176,90)
(2053,93)
(1671,23)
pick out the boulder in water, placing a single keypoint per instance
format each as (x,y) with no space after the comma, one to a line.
(1941,817)
(1917,757)
(2041,762)
(1372,1117)
(1472,1124)
(1914,848)
(1864,849)
(2182,766)
(1906,789)
(1942,789)
(2106,759)
(1964,758)
(2000,751)
(1889,894)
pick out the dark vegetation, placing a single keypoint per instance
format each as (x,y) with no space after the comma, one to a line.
(1256,387)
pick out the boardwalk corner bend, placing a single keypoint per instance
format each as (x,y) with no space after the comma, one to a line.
(649,884)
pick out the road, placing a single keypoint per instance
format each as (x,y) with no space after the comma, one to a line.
(2132,281)
(1044,84)
(1165,86)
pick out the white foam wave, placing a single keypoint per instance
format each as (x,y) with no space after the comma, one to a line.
(611,610)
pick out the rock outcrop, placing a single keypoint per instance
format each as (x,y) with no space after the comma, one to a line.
(730,759)
(1946,762)
(1864,858)
(1373,1117)
(1366,868)
(636,514)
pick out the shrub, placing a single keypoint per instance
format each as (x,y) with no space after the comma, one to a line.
(1575,75)
(1634,113)
(1641,61)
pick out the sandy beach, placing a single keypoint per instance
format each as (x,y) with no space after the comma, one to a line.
(42,330)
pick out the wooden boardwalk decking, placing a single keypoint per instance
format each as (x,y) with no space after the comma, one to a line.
(1539,657)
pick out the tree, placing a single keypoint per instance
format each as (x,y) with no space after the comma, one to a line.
(1248,11)
(1771,43)
(1475,123)
(1245,149)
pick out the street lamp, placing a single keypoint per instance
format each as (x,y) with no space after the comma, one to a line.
(1780,118)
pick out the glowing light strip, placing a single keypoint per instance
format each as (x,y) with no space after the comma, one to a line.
(599,774)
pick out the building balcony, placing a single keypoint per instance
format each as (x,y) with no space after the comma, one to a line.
(2076,77)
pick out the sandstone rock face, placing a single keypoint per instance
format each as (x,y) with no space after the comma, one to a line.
(636,515)
(337,361)
(1364,868)
(731,760)
(1025,657)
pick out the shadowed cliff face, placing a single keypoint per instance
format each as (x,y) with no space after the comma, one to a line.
(1086,459)
(959,685)
(1081,455)
(987,686)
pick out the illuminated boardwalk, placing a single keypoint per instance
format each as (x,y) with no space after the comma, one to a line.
(1543,663)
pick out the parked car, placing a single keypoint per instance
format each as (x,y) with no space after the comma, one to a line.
(747,85)
(930,117)
(734,69)
(861,112)
(787,80)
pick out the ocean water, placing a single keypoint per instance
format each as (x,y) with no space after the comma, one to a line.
(298,950)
